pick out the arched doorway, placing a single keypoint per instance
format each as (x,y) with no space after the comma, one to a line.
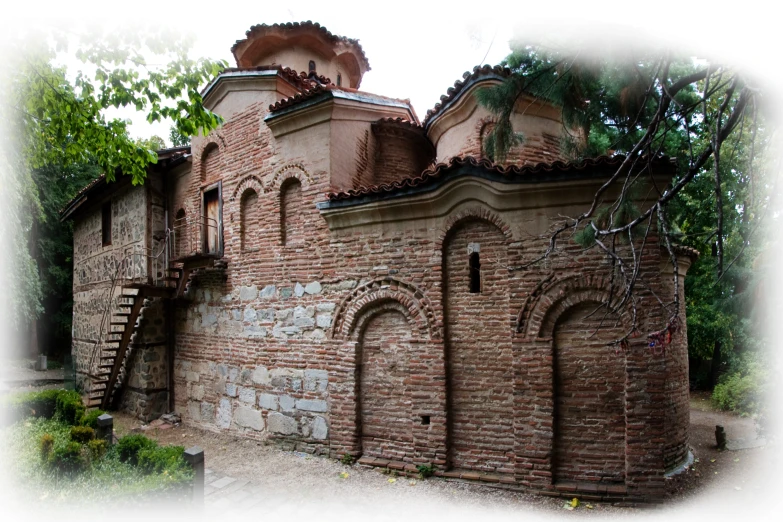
(384,406)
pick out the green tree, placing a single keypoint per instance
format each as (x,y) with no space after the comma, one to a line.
(60,121)
(642,104)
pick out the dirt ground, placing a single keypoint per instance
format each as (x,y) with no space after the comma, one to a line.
(733,475)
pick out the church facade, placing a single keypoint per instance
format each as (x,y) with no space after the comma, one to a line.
(327,272)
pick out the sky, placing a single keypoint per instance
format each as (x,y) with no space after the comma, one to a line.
(417,50)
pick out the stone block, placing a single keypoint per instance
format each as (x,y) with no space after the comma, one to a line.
(304,322)
(248,293)
(231,389)
(207,412)
(224,414)
(247,395)
(325,307)
(313,288)
(249,418)
(267,401)
(323,321)
(287,403)
(320,430)
(197,392)
(299,290)
(192,377)
(267,292)
(311,405)
(282,424)
(194,411)
(249,314)
(260,375)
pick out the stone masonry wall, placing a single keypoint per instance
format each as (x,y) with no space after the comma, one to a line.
(96,265)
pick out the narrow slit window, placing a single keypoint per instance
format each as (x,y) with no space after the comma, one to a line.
(106,223)
(475,273)
(312,66)
(339,80)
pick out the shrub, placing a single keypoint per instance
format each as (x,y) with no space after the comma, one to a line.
(164,459)
(47,444)
(129,447)
(69,407)
(97,448)
(82,434)
(90,418)
(37,404)
(68,458)
(348,459)
(742,390)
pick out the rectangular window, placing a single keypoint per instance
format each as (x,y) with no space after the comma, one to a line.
(106,223)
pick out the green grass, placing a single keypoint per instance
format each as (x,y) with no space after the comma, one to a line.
(105,479)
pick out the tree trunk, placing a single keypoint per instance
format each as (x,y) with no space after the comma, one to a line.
(715,366)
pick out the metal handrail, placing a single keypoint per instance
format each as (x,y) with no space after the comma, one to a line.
(136,256)
(190,236)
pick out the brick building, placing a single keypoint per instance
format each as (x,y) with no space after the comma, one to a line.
(327,272)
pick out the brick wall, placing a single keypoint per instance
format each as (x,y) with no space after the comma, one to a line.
(365,339)
(478,343)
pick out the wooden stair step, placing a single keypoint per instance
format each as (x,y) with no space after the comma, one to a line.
(118,324)
(122,314)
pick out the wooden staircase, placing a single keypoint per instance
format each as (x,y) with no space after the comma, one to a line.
(115,353)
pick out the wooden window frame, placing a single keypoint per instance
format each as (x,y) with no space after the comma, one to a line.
(204,190)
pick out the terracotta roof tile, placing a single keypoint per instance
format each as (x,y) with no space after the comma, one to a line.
(401,122)
(317,89)
(459,85)
(436,172)
(299,80)
(260,28)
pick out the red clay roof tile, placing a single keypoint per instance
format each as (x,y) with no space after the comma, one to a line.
(459,85)
(436,172)
(256,30)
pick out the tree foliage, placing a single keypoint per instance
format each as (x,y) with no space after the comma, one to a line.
(62,123)
(645,104)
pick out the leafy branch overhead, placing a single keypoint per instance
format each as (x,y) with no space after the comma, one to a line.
(641,104)
(64,121)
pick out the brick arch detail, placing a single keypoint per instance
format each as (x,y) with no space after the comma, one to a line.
(295,170)
(479,130)
(249,182)
(553,297)
(353,310)
(467,214)
(215,141)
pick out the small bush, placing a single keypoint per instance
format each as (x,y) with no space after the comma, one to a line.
(69,407)
(97,448)
(90,418)
(426,470)
(47,444)
(160,459)
(82,434)
(129,447)
(68,458)
(742,390)
(348,459)
(37,404)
